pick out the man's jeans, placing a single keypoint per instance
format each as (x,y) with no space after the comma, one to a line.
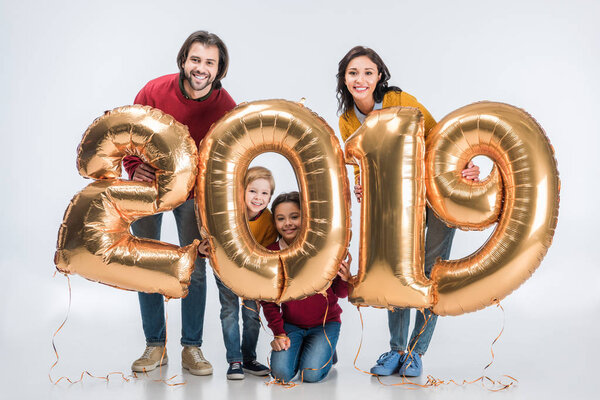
(308,352)
(230,307)
(193,305)
(438,241)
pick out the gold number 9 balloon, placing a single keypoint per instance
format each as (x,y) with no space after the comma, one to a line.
(526,217)
(311,262)
(94,239)
(521,196)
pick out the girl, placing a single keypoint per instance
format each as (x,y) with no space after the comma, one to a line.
(362,86)
(300,342)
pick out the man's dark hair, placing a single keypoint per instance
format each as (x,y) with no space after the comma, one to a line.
(207,39)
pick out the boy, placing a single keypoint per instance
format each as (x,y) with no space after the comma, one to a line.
(259,186)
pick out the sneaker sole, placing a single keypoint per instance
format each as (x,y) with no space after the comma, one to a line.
(151,367)
(198,372)
(235,377)
(257,373)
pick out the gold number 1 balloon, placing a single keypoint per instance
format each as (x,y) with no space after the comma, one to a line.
(94,239)
(521,196)
(390,148)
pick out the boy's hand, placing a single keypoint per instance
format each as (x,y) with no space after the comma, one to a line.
(344,271)
(280,343)
(144,173)
(204,247)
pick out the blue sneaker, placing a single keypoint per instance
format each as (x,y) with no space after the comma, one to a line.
(387,364)
(411,366)
(235,371)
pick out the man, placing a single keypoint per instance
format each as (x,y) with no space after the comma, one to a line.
(194,97)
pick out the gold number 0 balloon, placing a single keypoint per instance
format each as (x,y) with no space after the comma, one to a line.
(94,239)
(526,217)
(309,264)
(521,195)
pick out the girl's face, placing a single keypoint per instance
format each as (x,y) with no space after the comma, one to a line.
(258,195)
(361,78)
(288,220)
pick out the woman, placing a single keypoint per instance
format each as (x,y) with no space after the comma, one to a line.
(362,86)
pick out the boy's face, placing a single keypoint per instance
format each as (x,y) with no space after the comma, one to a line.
(258,195)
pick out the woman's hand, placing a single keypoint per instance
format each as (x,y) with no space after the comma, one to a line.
(471,172)
(344,271)
(204,248)
(358,192)
(280,343)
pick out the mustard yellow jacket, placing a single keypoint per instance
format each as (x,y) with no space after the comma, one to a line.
(263,228)
(350,123)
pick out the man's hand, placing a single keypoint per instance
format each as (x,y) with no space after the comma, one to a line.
(471,172)
(280,343)
(144,173)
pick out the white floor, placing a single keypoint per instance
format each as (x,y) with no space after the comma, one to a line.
(547,344)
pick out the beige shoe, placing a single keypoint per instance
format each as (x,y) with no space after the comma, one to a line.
(152,358)
(193,360)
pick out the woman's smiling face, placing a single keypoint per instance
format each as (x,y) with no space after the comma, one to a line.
(361,78)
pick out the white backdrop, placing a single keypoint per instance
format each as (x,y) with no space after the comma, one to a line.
(64,63)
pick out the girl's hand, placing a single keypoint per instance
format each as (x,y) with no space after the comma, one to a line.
(344,271)
(471,172)
(358,192)
(204,248)
(280,343)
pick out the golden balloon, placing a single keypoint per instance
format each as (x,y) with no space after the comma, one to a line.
(528,186)
(390,149)
(521,196)
(94,239)
(311,262)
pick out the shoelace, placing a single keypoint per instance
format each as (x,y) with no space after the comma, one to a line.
(147,352)
(236,365)
(384,358)
(197,356)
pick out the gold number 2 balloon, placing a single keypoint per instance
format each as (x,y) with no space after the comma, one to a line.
(521,196)
(311,262)
(94,239)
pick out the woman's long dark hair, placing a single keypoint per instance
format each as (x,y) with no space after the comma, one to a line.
(345,100)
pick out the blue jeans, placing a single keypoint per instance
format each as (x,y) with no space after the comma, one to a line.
(193,305)
(230,307)
(308,349)
(438,242)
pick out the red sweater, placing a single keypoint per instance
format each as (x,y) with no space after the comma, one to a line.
(164,93)
(308,312)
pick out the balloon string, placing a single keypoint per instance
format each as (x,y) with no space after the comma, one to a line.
(497,384)
(289,385)
(164,352)
(126,378)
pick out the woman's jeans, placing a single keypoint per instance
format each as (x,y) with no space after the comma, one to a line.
(308,353)
(438,242)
